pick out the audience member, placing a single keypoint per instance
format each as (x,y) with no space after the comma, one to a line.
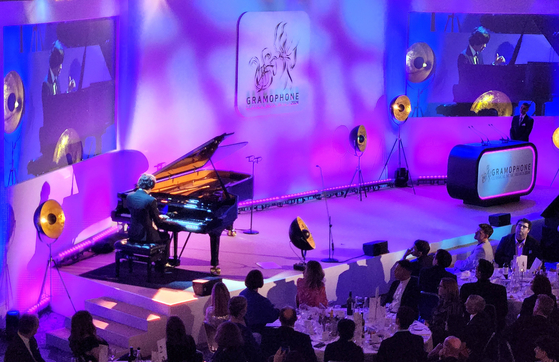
(546,349)
(344,349)
(479,328)
(539,285)
(84,341)
(260,310)
(429,278)
(448,316)
(483,249)
(493,294)
(524,332)
(404,290)
(24,347)
(230,344)
(448,351)
(237,311)
(403,345)
(218,311)
(180,346)
(519,243)
(310,289)
(420,250)
(287,337)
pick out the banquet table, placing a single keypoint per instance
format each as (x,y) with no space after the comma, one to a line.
(375,333)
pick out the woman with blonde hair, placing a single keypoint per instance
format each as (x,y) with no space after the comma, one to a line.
(218,311)
(310,289)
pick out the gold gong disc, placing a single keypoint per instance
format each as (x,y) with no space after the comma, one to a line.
(420,62)
(556,137)
(493,100)
(50,219)
(13,101)
(401,108)
(68,149)
(303,227)
(358,138)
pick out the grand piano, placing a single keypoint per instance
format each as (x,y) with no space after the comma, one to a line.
(533,81)
(89,110)
(196,200)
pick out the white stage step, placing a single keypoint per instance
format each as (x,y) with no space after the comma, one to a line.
(123,313)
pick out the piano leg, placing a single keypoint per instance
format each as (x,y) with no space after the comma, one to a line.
(176,260)
(214,247)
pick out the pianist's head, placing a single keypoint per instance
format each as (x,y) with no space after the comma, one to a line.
(479,38)
(146,182)
(56,57)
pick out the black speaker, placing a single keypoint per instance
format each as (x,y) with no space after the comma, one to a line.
(375,248)
(12,324)
(204,286)
(499,219)
(401,177)
(551,214)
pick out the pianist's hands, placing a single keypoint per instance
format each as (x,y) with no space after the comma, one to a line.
(499,59)
(71,84)
(163,217)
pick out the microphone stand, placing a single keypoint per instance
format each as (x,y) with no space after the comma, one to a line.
(330,258)
(254,160)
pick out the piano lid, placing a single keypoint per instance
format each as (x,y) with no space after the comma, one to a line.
(198,157)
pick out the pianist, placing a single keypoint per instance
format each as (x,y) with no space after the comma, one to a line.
(473,53)
(144,216)
(51,85)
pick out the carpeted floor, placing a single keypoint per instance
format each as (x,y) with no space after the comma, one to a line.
(173,278)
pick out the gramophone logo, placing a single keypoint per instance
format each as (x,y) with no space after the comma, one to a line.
(486,176)
(273,51)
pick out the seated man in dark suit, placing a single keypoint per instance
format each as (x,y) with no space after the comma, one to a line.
(404,290)
(144,214)
(429,278)
(287,337)
(344,349)
(524,332)
(403,345)
(478,330)
(493,294)
(519,243)
(23,347)
(420,250)
(448,351)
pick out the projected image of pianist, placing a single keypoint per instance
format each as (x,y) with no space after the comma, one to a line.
(51,84)
(473,53)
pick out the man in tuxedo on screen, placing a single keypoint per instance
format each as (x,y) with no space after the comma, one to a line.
(522,124)
(51,85)
(473,53)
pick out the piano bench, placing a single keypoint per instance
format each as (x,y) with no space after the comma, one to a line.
(132,251)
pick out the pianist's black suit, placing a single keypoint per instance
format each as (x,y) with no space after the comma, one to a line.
(466,57)
(521,132)
(143,213)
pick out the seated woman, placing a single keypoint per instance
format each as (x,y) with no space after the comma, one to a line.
(230,344)
(260,310)
(448,315)
(310,288)
(218,311)
(83,339)
(539,285)
(180,346)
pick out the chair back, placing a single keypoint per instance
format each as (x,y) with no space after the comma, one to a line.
(210,337)
(427,302)
(492,313)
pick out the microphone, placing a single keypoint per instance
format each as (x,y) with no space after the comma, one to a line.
(477,134)
(482,134)
(504,137)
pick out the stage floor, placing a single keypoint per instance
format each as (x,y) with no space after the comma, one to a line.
(393,214)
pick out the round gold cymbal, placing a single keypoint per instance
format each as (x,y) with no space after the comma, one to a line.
(401,108)
(493,100)
(305,229)
(556,137)
(68,149)
(420,62)
(50,219)
(358,138)
(13,101)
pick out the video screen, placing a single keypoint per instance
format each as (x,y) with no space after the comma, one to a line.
(482,64)
(59,95)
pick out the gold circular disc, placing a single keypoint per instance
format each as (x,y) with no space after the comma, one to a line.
(304,227)
(13,101)
(50,219)
(556,137)
(68,149)
(493,100)
(420,62)
(401,108)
